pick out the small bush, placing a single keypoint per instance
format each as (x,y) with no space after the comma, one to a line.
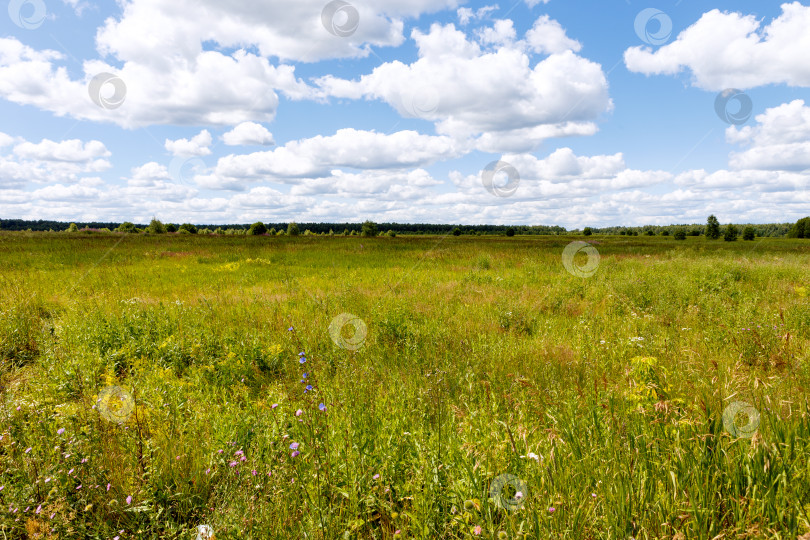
(510,232)
(749,233)
(257,229)
(730,234)
(369,228)
(587,231)
(390,233)
(456,232)
(292,229)
(156,227)
(680,234)
(189,228)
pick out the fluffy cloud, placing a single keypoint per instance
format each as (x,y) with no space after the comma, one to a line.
(496,95)
(49,161)
(247,134)
(547,36)
(780,140)
(199,145)
(731,50)
(317,157)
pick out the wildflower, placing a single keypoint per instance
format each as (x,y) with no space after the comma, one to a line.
(302,361)
(533,456)
(254,472)
(108,487)
(518,495)
(78,488)
(39,509)
(52,515)
(207,471)
(85,460)
(290,329)
(477,530)
(243,458)
(308,388)
(305,375)
(296,453)
(302,353)
(274,405)
(29,449)
(376,477)
(299,412)
(593,495)
(551,510)
(294,446)
(70,471)
(322,407)
(219,451)
(47,480)
(129,499)
(60,431)
(232,464)
(239,453)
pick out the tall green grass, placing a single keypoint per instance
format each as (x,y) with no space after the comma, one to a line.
(484,357)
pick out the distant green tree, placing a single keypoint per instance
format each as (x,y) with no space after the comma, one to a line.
(292,229)
(712,228)
(510,232)
(623,232)
(345,232)
(456,232)
(219,231)
(801,229)
(665,232)
(257,229)
(73,228)
(280,232)
(749,233)
(353,233)
(587,231)
(369,228)
(650,232)
(171,227)
(127,227)
(272,232)
(680,234)
(156,227)
(331,232)
(188,227)
(391,233)
(730,234)
(694,232)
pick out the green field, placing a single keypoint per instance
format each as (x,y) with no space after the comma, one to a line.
(603,396)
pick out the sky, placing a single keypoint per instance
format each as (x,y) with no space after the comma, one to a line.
(541,112)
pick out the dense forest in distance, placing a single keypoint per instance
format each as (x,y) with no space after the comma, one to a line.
(762,230)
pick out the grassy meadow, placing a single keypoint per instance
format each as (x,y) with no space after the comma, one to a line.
(150,384)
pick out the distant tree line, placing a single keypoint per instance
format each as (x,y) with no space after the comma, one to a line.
(711,229)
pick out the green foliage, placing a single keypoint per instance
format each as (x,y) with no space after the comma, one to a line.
(587,231)
(605,396)
(257,229)
(369,228)
(293,230)
(456,232)
(127,227)
(680,234)
(73,228)
(171,228)
(188,228)
(665,232)
(219,231)
(749,233)
(391,233)
(801,229)
(712,228)
(156,227)
(730,234)
(510,232)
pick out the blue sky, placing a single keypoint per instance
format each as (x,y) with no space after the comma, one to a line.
(586,113)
